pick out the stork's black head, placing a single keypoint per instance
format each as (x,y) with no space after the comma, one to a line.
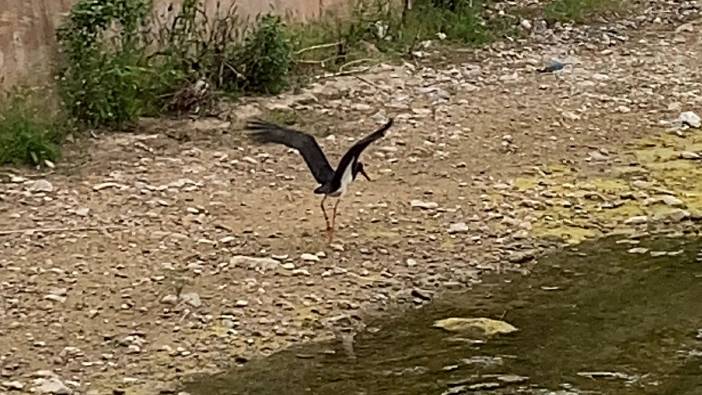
(358,168)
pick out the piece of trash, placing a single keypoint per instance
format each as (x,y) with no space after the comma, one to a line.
(551,67)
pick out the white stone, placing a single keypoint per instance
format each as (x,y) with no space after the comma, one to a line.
(192,299)
(423,205)
(691,119)
(459,227)
(309,257)
(672,201)
(637,220)
(51,385)
(40,186)
(169,299)
(253,263)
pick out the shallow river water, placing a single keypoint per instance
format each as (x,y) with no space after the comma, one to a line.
(602,319)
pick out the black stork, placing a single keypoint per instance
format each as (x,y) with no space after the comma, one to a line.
(332,182)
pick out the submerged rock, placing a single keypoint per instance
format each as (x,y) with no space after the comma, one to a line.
(487,325)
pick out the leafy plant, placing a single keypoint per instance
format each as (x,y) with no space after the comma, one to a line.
(192,52)
(29,134)
(115,69)
(263,62)
(102,80)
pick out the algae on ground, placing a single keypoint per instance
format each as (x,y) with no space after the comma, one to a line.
(587,205)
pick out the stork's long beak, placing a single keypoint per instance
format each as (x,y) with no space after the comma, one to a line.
(363,173)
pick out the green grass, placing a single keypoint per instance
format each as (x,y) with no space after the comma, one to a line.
(375,31)
(29,134)
(580,11)
(464,25)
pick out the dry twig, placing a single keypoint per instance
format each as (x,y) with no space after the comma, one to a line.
(316,47)
(58,230)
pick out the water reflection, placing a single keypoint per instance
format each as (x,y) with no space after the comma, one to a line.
(599,320)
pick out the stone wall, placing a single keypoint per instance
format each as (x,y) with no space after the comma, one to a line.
(27,31)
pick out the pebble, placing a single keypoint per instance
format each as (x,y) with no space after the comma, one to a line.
(598,156)
(288,266)
(421,294)
(637,220)
(637,250)
(191,298)
(133,349)
(424,205)
(40,186)
(170,299)
(51,385)
(459,227)
(253,263)
(641,184)
(690,119)
(672,201)
(521,256)
(55,298)
(227,239)
(300,272)
(363,107)
(676,215)
(309,257)
(82,212)
(241,303)
(13,385)
(689,155)
(106,185)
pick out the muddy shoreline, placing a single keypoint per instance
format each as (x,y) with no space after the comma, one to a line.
(614,315)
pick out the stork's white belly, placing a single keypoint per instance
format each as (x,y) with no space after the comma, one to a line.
(346,180)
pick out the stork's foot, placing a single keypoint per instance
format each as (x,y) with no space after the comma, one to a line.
(330,234)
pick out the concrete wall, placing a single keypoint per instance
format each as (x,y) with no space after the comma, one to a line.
(27,31)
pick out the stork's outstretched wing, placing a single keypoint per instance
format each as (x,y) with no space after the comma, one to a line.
(356,150)
(267,132)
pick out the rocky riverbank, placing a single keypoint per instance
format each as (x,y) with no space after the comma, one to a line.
(182,249)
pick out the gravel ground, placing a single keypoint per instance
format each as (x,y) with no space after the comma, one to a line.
(182,249)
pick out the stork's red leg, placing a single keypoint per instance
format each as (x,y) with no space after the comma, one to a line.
(333,220)
(326,218)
